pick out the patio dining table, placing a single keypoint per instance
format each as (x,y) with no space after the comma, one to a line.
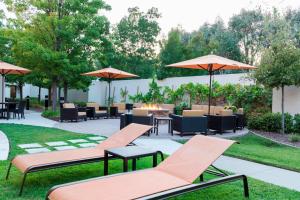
(7,107)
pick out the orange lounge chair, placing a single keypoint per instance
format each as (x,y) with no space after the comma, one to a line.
(171,177)
(42,161)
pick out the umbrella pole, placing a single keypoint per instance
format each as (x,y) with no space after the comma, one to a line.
(210,72)
(109,93)
(3,87)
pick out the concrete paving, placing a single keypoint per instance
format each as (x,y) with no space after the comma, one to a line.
(4,146)
(31,118)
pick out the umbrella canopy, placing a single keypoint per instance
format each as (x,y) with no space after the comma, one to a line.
(211,63)
(110,73)
(6,68)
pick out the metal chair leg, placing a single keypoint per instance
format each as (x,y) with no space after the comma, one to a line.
(161,155)
(22,184)
(201,177)
(8,171)
(246,187)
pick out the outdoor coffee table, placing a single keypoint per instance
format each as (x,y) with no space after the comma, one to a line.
(159,119)
(127,153)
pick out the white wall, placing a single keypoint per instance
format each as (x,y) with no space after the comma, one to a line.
(97,89)
(291,100)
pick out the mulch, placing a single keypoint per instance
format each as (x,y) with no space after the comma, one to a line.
(278,137)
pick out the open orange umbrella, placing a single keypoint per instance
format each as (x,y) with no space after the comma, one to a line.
(6,68)
(110,74)
(212,63)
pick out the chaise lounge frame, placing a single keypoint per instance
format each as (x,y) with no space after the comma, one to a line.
(55,165)
(165,193)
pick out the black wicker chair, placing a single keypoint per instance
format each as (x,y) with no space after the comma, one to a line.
(189,124)
(140,116)
(221,123)
(70,113)
(94,111)
(17,110)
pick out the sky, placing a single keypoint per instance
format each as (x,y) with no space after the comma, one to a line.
(191,14)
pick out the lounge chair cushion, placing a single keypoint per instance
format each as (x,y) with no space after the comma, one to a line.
(120,106)
(100,111)
(24,162)
(138,184)
(226,112)
(169,107)
(121,138)
(122,111)
(179,169)
(217,110)
(137,105)
(203,107)
(81,113)
(194,157)
(193,113)
(197,107)
(93,105)
(68,105)
(140,112)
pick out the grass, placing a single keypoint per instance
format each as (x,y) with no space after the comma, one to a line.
(39,183)
(50,113)
(255,148)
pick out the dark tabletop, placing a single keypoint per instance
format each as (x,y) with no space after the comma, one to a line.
(130,151)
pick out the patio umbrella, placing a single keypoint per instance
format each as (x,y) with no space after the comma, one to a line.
(110,74)
(211,63)
(6,68)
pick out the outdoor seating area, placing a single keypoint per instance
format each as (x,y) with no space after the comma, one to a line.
(12,109)
(137,100)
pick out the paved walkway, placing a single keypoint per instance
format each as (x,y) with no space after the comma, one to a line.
(273,175)
(31,118)
(4,146)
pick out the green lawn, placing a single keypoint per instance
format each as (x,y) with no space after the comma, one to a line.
(264,151)
(39,183)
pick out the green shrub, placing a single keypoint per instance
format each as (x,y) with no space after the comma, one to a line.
(80,103)
(180,108)
(297,123)
(294,138)
(50,114)
(270,122)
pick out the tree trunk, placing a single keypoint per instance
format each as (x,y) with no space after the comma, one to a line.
(282,109)
(21,91)
(39,94)
(66,92)
(59,93)
(54,95)
(49,96)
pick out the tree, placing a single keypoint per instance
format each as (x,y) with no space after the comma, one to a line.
(134,41)
(280,61)
(210,38)
(248,28)
(293,18)
(61,39)
(172,50)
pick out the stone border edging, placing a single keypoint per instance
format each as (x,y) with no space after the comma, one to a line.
(282,143)
(4,147)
